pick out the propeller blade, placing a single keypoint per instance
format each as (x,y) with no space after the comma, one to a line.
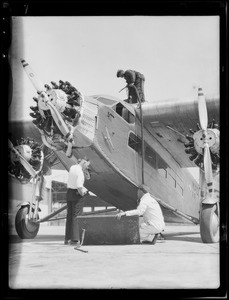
(208,168)
(32,76)
(202,109)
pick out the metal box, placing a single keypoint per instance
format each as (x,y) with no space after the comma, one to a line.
(107,230)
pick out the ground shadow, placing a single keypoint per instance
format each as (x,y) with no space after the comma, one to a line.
(183,236)
(17,239)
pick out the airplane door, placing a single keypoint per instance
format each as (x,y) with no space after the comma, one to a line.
(112,135)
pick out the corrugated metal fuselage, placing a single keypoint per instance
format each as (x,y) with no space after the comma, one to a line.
(103,138)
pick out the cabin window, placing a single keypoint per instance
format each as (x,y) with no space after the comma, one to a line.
(135,143)
(161,164)
(150,156)
(118,108)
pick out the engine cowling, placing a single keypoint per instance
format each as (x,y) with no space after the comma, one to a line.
(32,153)
(195,145)
(68,102)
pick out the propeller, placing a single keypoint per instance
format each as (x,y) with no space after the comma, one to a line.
(46,103)
(203,118)
(202,109)
(38,85)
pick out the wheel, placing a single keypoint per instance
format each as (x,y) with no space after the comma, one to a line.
(25,228)
(209,223)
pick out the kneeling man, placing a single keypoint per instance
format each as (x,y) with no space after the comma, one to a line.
(153,220)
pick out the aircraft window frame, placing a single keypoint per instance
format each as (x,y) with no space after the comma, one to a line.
(151,156)
(137,143)
(105,100)
(161,164)
(167,174)
(129,117)
(157,161)
(153,163)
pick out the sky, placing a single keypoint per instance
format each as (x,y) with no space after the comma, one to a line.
(175,54)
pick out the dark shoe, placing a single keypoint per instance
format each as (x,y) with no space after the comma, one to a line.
(74,243)
(155,239)
(146,242)
(66,242)
(153,242)
(161,237)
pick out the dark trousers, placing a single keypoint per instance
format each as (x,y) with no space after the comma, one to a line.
(75,204)
(139,84)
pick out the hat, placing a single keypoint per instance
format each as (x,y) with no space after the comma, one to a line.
(120,73)
(144,188)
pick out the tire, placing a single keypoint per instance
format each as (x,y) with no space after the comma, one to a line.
(209,223)
(25,229)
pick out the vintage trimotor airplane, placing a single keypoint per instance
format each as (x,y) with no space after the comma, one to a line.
(127,144)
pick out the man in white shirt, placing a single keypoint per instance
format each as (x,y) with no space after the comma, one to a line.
(75,198)
(153,220)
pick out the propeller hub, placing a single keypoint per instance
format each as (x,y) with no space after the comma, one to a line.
(56,96)
(210,136)
(42,103)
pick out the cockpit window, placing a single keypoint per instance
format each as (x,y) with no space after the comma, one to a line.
(104,100)
(117,106)
(124,112)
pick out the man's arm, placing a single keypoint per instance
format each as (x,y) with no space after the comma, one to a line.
(139,211)
(80,182)
(82,191)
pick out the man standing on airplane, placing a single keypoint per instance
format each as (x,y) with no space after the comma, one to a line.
(76,193)
(153,220)
(135,81)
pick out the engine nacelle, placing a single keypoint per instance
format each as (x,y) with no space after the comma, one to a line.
(57,114)
(195,145)
(30,151)
(24,150)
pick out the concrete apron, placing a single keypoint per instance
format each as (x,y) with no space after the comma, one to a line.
(181,261)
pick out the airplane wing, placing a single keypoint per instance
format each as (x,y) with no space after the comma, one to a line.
(170,121)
